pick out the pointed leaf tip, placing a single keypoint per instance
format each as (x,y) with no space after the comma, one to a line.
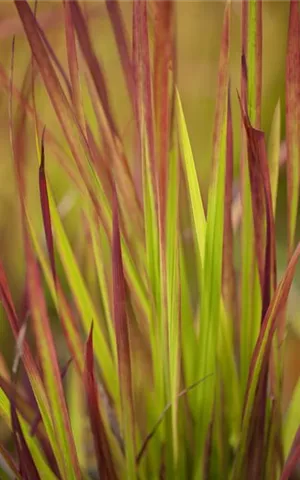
(44,199)
(102,448)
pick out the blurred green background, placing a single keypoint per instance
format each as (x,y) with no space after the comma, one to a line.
(198,26)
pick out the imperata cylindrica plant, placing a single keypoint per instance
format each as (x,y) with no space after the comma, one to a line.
(139,355)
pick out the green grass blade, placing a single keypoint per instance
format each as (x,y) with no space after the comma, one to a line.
(196,203)
(82,298)
(273,153)
(261,356)
(213,260)
(121,323)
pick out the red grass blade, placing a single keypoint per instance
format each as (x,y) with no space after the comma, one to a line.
(29,363)
(22,404)
(122,42)
(38,417)
(27,109)
(252,39)
(65,114)
(6,299)
(28,469)
(163,69)
(122,338)
(293,459)
(293,119)
(51,371)
(262,210)
(260,361)
(263,219)
(142,72)
(119,307)
(55,59)
(91,60)
(103,454)
(8,463)
(73,65)
(46,209)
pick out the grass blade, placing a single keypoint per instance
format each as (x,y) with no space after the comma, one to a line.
(92,61)
(73,66)
(123,346)
(46,209)
(293,119)
(261,356)
(251,84)
(292,461)
(274,153)
(228,274)
(106,468)
(211,282)
(121,37)
(196,203)
(67,458)
(28,469)
(7,465)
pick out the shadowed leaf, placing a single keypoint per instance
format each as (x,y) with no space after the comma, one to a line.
(7,463)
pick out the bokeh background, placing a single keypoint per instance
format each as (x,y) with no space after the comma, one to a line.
(198,29)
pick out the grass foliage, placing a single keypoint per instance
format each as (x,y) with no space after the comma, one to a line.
(150,382)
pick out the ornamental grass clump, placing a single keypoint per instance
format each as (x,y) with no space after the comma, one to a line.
(140,378)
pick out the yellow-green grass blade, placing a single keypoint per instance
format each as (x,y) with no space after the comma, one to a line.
(32,441)
(66,455)
(273,153)
(291,421)
(153,254)
(156,326)
(260,358)
(78,417)
(100,250)
(58,298)
(173,294)
(188,331)
(124,355)
(213,260)
(82,298)
(89,180)
(31,369)
(196,204)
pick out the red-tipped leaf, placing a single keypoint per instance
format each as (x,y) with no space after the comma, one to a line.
(27,466)
(103,454)
(46,209)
